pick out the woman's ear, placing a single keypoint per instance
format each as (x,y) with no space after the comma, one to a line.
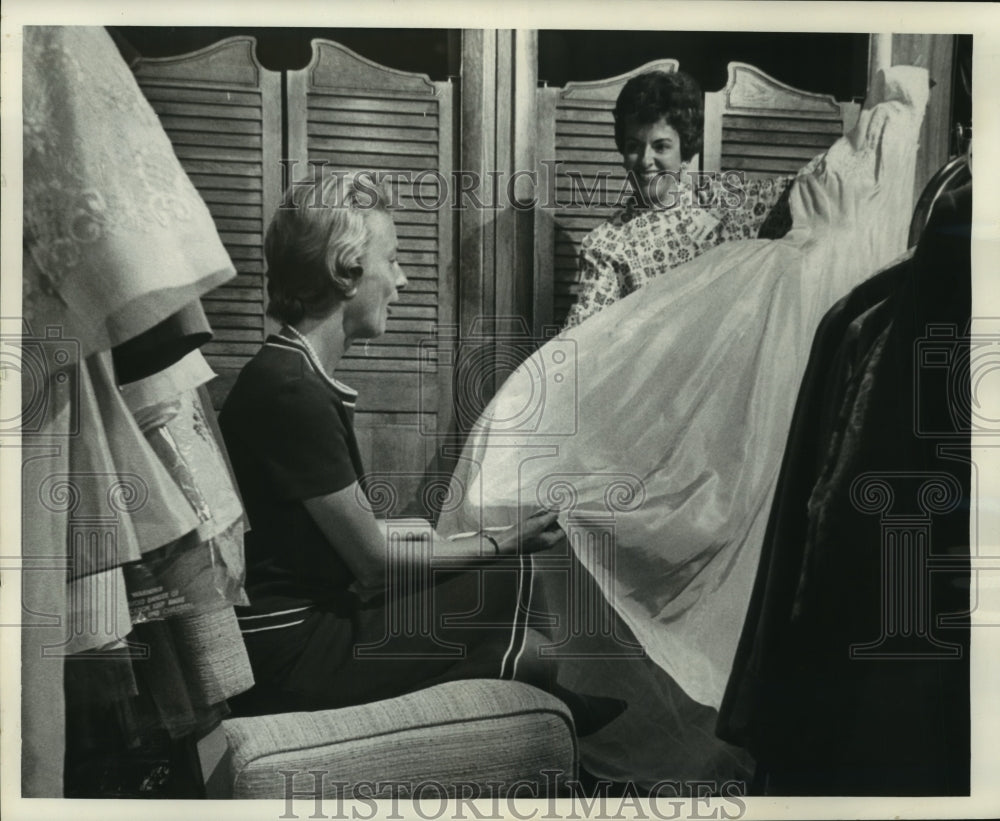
(347,283)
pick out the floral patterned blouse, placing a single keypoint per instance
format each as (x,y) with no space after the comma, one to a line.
(638,244)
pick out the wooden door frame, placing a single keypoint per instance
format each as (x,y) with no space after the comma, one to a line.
(496,255)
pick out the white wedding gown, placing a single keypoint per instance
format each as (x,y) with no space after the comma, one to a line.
(669,410)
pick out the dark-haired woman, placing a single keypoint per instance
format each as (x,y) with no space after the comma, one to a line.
(672,216)
(681,399)
(315,546)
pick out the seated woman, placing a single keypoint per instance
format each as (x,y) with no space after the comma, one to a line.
(672,216)
(332,277)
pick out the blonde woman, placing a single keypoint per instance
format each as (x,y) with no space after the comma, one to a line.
(333,276)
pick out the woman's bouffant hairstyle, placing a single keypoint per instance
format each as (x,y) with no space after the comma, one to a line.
(677,97)
(315,242)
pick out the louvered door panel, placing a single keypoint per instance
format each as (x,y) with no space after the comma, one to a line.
(222,112)
(354,114)
(581,165)
(763,127)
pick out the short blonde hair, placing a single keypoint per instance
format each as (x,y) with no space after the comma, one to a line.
(314,244)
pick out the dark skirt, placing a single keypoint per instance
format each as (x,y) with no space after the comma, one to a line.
(464,626)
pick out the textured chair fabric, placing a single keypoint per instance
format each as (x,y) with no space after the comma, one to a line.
(456,733)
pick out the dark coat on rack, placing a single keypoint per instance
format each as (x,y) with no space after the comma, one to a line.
(828,692)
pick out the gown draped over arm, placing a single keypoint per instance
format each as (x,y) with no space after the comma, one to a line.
(639,244)
(669,409)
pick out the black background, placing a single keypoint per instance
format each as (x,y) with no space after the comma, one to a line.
(827,63)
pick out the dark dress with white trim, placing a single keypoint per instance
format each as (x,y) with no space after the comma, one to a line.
(313,642)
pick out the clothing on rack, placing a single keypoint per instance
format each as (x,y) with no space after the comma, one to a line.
(840,686)
(167,342)
(118,248)
(204,569)
(114,226)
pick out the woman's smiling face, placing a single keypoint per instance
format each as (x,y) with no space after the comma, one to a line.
(651,154)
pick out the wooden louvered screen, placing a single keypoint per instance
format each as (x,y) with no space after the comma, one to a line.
(358,115)
(576,138)
(761,126)
(222,112)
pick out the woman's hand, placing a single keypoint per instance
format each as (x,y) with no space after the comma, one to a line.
(359,539)
(539,531)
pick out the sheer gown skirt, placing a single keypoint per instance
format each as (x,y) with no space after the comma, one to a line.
(657,427)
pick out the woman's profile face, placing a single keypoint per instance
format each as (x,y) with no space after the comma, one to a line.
(651,154)
(367,312)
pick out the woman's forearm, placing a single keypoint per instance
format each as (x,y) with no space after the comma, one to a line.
(368,545)
(472,546)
